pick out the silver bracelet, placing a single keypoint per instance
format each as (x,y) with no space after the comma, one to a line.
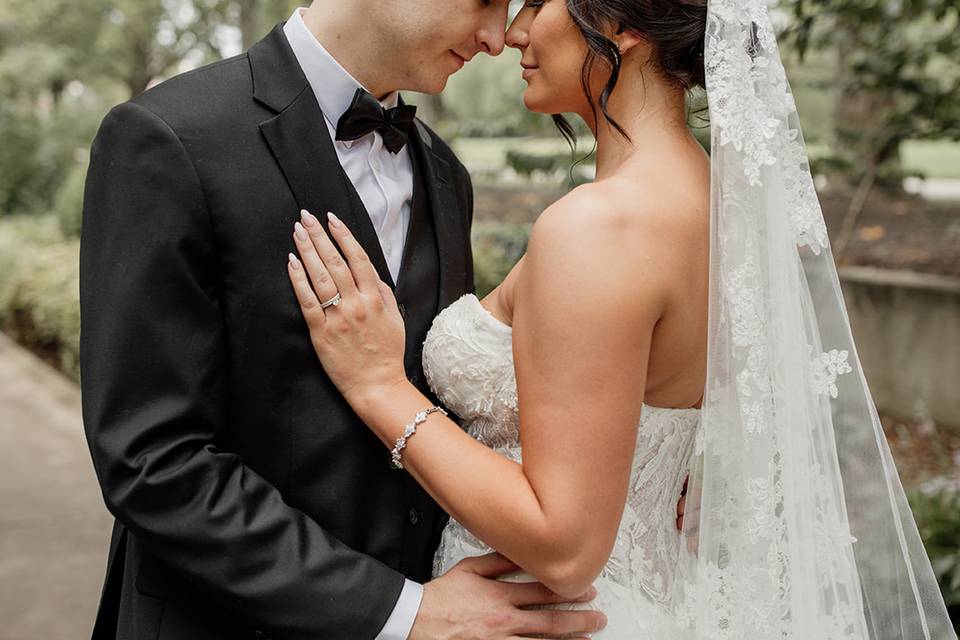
(408,431)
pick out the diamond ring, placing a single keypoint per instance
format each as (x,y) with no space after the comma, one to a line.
(332,302)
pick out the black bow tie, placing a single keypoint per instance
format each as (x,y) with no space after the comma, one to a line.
(366,115)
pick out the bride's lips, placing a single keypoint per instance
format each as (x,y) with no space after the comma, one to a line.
(528,70)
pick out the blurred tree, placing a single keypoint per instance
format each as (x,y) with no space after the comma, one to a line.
(255,17)
(144,41)
(896,76)
(46,45)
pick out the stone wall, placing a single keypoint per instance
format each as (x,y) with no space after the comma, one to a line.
(907,330)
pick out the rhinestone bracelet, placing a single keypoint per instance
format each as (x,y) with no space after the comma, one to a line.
(408,431)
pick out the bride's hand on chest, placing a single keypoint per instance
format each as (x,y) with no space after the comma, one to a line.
(354,322)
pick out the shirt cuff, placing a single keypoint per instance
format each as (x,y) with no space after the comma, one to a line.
(404,614)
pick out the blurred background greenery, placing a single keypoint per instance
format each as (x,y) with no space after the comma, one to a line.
(877,84)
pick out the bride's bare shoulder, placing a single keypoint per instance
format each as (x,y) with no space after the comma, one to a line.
(624,216)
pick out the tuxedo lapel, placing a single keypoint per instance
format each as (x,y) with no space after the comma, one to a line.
(450,231)
(300,142)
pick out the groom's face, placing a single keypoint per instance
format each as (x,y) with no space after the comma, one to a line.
(430,40)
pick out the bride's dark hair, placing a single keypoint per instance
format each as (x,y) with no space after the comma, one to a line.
(675,28)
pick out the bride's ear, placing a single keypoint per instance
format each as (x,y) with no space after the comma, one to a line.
(629,41)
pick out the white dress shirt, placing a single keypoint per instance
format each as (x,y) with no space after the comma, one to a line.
(384,182)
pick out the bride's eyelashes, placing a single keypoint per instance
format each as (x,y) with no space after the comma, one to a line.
(534,4)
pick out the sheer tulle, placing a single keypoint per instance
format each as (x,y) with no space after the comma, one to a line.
(803,530)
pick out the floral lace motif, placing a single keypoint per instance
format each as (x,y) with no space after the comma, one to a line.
(752,108)
(468,361)
(766,485)
(825,369)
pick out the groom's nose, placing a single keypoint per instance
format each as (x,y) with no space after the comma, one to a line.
(490,38)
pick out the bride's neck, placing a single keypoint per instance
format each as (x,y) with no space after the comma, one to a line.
(651,112)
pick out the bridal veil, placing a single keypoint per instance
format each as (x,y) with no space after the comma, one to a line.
(803,530)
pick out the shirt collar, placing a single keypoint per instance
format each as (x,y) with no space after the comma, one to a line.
(333,85)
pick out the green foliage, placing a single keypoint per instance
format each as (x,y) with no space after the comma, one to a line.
(896,74)
(937,511)
(39,289)
(497,246)
(485,99)
(68,205)
(45,305)
(527,163)
(38,152)
(21,180)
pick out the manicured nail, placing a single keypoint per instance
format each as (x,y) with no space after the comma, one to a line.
(336,222)
(299,231)
(294,261)
(308,218)
(602,623)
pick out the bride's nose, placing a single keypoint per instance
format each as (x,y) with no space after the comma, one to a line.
(518,36)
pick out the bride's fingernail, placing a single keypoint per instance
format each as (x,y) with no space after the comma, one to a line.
(334,220)
(299,231)
(307,217)
(602,623)
(294,261)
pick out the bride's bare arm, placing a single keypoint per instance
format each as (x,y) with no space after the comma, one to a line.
(585,305)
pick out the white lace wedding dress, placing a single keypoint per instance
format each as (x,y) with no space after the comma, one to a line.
(468,361)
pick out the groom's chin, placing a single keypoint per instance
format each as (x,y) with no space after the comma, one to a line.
(435,85)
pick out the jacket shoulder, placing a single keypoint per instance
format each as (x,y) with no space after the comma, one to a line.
(213,90)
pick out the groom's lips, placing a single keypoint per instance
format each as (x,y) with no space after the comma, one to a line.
(459,58)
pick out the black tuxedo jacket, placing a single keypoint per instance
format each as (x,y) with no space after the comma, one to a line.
(249,499)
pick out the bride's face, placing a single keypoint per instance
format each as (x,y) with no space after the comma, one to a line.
(553,51)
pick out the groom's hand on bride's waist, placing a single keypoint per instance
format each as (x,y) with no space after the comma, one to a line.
(469,603)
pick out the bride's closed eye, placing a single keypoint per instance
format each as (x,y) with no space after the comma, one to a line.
(534,4)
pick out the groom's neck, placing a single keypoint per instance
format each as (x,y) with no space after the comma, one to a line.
(345,33)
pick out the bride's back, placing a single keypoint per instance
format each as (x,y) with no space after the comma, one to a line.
(666,189)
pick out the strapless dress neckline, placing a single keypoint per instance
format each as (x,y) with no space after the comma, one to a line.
(499,326)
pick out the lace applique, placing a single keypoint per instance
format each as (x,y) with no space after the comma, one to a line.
(468,361)
(742,587)
(825,368)
(752,108)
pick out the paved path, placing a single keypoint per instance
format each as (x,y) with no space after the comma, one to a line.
(54,529)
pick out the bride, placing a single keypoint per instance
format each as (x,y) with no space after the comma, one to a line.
(678,317)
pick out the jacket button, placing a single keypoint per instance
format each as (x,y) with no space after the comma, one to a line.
(414,516)
(260,634)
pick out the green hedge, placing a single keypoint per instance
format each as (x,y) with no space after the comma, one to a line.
(497,246)
(40,289)
(937,510)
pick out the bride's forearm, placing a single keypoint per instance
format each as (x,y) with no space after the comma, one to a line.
(484,491)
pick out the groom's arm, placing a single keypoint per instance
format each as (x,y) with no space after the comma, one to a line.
(154,403)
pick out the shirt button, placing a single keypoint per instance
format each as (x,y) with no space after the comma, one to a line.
(414,516)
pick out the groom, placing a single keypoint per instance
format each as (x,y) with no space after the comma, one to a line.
(249,501)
